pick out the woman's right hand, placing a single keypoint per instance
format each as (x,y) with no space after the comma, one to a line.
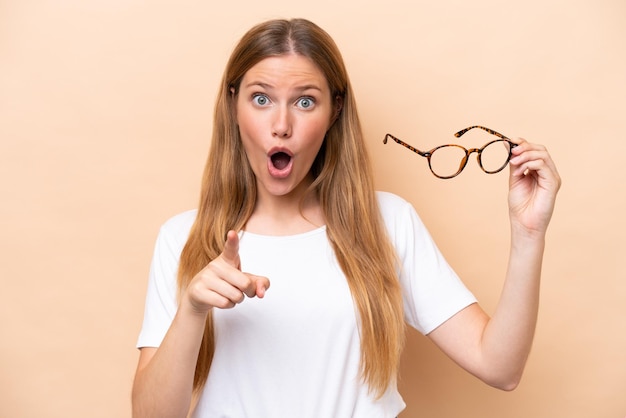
(221,283)
(163,384)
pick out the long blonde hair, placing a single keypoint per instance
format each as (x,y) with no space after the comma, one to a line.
(342,182)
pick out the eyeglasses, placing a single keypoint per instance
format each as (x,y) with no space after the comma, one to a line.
(447,161)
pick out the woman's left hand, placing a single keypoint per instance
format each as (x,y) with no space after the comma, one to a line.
(495,349)
(533,184)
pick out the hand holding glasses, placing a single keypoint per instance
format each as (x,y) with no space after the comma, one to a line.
(447,161)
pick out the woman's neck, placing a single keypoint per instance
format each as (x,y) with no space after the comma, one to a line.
(285,215)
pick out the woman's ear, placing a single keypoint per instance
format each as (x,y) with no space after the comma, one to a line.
(338,107)
(233,105)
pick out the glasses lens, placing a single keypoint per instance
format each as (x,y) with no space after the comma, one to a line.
(495,156)
(447,161)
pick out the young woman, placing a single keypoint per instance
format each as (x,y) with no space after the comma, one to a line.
(288,200)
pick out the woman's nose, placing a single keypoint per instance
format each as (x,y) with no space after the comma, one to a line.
(281,126)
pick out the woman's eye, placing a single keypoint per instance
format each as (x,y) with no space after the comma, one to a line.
(306,102)
(260,99)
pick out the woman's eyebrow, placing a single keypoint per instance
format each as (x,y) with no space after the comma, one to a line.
(258,84)
(308,87)
(268,86)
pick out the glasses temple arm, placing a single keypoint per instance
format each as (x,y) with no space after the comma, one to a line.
(491,131)
(404,144)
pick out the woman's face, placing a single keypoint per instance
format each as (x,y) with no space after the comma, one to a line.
(284,109)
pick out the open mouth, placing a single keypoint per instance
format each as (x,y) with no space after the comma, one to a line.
(280,160)
(280,163)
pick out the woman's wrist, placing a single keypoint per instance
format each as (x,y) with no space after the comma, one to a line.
(190,312)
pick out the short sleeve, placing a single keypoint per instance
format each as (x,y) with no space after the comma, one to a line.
(161,297)
(432,291)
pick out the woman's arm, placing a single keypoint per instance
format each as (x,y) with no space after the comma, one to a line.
(495,349)
(163,384)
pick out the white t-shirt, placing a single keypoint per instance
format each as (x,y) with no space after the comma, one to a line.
(296,352)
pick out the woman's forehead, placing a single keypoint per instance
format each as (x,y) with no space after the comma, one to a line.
(289,69)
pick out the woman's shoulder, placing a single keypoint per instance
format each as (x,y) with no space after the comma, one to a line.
(398,214)
(391,202)
(178,226)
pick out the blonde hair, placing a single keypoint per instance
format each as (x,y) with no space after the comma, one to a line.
(343,184)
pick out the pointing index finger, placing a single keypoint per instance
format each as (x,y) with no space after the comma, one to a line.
(231,249)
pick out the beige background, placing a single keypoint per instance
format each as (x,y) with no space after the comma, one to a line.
(105,116)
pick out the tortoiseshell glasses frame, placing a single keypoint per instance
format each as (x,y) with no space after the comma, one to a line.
(428,154)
